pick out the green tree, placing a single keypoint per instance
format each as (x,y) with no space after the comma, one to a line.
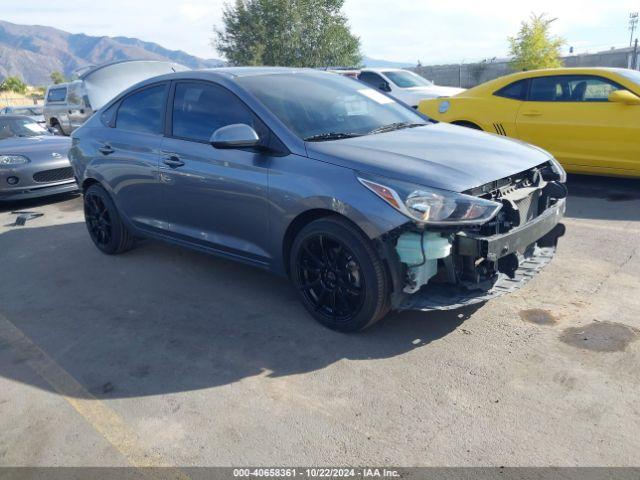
(535,47)
(13,84)
(293,33)
(57,77)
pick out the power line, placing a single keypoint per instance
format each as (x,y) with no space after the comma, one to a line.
(633,23)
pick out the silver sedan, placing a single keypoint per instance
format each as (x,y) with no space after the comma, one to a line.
(33,163)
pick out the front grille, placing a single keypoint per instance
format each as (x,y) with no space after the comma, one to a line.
(55,175)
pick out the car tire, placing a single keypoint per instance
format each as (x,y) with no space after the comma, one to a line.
(466,124)
(339,275)
(104,223)
(55,126)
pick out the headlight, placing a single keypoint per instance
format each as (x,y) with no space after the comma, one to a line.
(559,170)
(8,160)
(433,206)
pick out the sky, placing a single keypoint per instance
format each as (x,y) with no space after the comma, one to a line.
(433,32)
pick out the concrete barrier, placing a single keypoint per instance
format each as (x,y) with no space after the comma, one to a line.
(471,74)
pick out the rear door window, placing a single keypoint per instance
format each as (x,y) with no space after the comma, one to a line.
(74,95)
(143,111)
(57,95)
(515,91)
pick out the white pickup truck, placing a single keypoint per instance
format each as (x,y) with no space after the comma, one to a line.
(404,85)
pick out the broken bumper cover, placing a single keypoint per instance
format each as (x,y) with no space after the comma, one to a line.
(450,297)
(544,230)
(497,246)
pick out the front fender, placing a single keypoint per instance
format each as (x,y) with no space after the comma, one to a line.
(299,184)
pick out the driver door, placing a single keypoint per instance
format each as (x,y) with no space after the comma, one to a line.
(217,198)
(571,116)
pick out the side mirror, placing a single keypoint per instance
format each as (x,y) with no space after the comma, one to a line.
(385,87)
(238,135)
(624,96)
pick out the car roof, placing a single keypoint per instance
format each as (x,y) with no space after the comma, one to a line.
(230,73)
(499,82)
(253,71)
(382,69)
(566,70)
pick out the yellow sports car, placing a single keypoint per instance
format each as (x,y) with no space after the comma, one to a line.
(588,118)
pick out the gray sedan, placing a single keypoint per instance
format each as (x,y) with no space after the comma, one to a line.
(364,203)
(33,163)
(34,112)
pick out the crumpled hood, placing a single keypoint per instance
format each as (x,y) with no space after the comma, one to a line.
(36,149)
(437,155)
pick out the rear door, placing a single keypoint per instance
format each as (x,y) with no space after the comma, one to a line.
(76,109)
(570,116)
(129,153)
(214,197)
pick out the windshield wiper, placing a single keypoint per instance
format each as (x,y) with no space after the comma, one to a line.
(331,136)
(395,126)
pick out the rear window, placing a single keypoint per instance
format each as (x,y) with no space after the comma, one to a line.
(515,91)
(143,111)
(57,95)
(75,95)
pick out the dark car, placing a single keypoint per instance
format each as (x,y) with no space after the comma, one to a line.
(33,162)
(364,203)
(34,112)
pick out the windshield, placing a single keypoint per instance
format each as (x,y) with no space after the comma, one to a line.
(316,105)
(20,127)
(27,111)
(406,79)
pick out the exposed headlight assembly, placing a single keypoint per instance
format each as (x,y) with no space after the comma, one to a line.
(558,170)
(432,206)
(10,160)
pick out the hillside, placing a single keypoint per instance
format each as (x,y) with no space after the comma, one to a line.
(33,52)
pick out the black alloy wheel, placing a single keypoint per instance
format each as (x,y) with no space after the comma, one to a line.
(339,275)
(98,219)
(103,221)
(332,279)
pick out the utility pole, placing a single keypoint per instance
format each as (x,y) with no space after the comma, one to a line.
(633,23)
(634,60)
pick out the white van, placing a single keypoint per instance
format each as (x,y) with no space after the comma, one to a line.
(66,107)
(69,105)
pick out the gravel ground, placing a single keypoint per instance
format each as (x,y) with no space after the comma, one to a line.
(163,356)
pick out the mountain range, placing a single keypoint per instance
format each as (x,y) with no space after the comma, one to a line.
(32,52)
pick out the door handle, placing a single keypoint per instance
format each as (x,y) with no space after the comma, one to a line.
(173,160)
(532,113)
(106,149)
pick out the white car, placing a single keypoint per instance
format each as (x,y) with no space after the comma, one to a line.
(404,85)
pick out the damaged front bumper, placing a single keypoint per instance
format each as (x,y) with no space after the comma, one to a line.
(495,247)
(439,296)
(512,259)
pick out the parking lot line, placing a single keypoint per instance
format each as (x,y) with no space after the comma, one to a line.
(102,418)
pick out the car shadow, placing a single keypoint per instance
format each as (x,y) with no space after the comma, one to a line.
(603,198)
(12,206)
(163,319)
